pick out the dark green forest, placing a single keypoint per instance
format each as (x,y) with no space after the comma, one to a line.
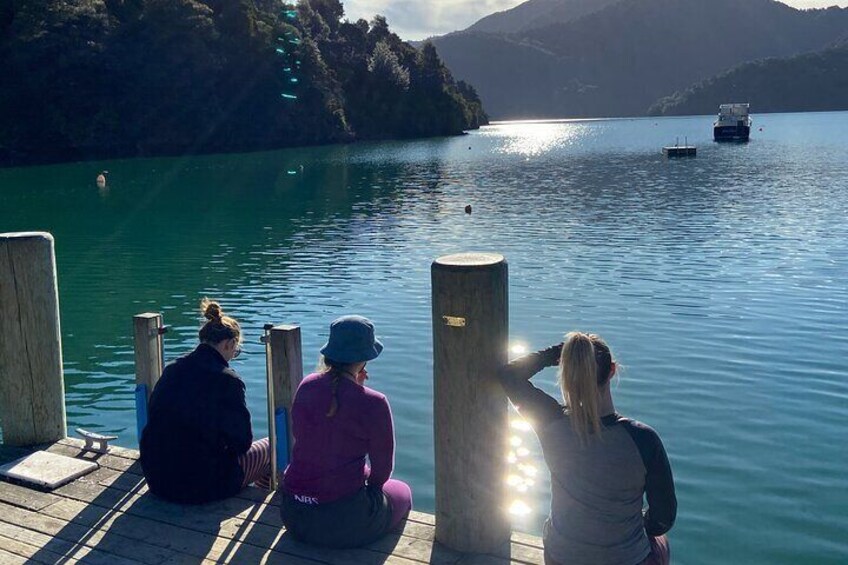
(805,83)
(120,78)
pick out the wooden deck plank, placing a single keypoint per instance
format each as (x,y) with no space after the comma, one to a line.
(247,534)
(168,534)
(30,499)
(8,558)
(75,520)
(62,535)
(115,499)
(226,517)
(419,525)
(33,554)
(250,493)
(57,551)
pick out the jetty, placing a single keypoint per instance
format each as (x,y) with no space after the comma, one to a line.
(108,516)
(678,150)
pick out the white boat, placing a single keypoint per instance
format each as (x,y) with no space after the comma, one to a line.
(733,123)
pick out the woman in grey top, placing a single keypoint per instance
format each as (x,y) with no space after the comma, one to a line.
(602,465)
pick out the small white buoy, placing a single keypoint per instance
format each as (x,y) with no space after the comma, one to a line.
(101,180)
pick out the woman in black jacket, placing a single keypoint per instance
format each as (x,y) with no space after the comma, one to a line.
(198,445)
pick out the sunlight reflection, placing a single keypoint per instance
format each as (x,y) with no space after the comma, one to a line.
(528,469)
(518,349)
(519,425)
(519,508)
(532,139)
(520,479)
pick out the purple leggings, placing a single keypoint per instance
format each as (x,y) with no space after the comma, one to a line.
(400,498)
(256,463)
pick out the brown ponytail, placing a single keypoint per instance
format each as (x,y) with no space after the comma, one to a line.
(218,327)
(327,365)
(334,403)
(585,365)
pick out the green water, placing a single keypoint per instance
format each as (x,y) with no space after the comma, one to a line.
(719,281)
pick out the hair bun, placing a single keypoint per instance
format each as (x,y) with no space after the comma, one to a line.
(211,309)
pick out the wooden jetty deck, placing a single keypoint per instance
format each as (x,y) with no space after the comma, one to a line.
(680,151)
(108,517)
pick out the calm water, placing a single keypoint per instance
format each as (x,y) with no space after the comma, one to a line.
(720,282)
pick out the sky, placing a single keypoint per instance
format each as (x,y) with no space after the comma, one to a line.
(419,19)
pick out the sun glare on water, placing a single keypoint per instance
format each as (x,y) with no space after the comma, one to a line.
(519,509)
(531,139)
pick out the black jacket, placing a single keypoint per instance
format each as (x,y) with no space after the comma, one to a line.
(197,426)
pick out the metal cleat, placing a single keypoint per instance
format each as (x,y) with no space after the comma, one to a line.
(95,442)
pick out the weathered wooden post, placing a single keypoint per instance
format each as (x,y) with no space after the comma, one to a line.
(147,340)
(470,410)
(32,389)
(285,361)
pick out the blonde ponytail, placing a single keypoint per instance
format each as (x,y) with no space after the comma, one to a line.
(578,379)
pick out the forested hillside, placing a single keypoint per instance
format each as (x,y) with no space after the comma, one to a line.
(537,13)
(805,83)
(105,78)
(624,56)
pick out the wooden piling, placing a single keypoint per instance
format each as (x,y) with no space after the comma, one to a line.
(32,391)
(147,342)
(470,410)
(286,368)
(149,362)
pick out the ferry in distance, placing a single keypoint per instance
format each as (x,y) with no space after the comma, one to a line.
(733,123)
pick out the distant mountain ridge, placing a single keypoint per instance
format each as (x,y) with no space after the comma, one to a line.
(770,85)
(622,57)
(537,13)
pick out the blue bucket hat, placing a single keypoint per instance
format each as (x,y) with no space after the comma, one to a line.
(352,340)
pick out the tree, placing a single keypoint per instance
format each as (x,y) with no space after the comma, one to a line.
(384,65)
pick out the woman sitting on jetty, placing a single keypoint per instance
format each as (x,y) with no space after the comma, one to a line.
(198,444)
(601,463)
(332,498)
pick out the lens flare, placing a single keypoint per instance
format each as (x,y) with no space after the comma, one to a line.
(518,348)
(519,508)
(519,425)
(527,469)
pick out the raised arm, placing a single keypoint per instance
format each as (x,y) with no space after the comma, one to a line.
(533,404)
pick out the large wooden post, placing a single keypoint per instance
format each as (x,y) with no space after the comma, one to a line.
(286,372)
(470,410)
(32,389)
(147,340)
